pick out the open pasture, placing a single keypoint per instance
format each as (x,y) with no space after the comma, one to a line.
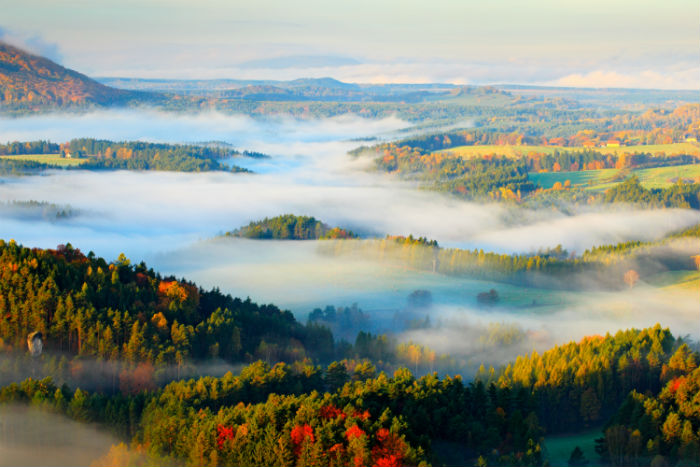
(51,159)
(514,151)
(597,180)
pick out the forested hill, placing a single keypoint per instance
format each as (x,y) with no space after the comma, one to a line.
(290,227)
(88,307)
(28,80)
(306,415)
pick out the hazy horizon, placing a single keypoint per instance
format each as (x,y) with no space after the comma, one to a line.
(579,44)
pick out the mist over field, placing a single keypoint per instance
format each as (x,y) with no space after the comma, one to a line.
(152,125)
(300,276)
(464,330)
(309,174)
(169,220)
(141,213)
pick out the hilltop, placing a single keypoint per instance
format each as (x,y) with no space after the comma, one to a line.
(290,227)
(28,80)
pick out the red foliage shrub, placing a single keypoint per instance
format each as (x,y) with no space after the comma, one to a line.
(224,433)
(300,434)
(362,415)
(354,432)
(675,384)
(389,451)
(331,411)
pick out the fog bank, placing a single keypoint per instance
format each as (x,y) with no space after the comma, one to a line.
(33,437)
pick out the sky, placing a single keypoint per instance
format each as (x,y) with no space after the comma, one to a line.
(596,43)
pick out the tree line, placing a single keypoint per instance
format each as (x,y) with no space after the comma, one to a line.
(137,155)
(28,147)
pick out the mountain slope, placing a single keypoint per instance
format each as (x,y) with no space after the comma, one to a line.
(31,80)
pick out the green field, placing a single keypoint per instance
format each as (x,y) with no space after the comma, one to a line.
(587,178)
(657,177)
(676,280)
(523,150)
(558,448)
(52,159)
(660,177)
(505,150)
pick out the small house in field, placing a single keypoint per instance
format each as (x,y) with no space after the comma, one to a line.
(613,143)
(68,155)
(691,139)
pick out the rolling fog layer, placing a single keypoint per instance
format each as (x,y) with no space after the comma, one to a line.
(298,276)
(168,219)
(32,437)
(310,173)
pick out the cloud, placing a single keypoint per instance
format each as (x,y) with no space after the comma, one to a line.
(151,125)
(646,79)
(607,226)
(670,73)
(299,61)
(33,43)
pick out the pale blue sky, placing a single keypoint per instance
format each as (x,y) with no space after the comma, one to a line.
(642,43)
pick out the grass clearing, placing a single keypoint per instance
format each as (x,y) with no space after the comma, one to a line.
(668,149)
(588,178)
(558,448)
(676,280)
(598,180)
(660,177)
(52,159)
(514,151)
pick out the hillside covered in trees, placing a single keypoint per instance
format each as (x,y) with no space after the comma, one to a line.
(28,80)
(127,331)
(649,429)
(307,415)
(290,227)
(585,157)
(87,307)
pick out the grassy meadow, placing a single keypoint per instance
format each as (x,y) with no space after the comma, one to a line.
(597,180)
(52,159)
(677,281)
(515,151)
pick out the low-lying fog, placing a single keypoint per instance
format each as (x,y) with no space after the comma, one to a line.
(301,277)
(168,219)
(32,436)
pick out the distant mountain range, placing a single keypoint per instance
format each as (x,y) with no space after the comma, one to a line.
(30,83)
(28,80)
(302,89)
